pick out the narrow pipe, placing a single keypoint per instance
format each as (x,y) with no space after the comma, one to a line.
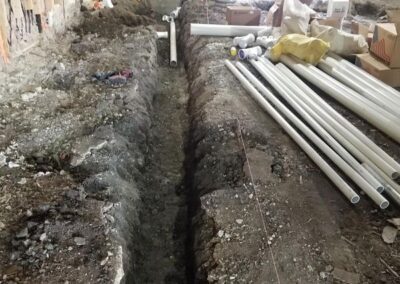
(388,188)
(318,160)
(364,82)
(293,95)
(223,30)
(339,161)
(174,56)
(161,35)
(361,106)
(345,128)
(353,83)
(365,75)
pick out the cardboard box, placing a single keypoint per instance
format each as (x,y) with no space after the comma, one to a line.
(360,28)
(386,40)
(378,69)
(243,15)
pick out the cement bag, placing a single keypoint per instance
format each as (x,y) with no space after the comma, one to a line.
(340,42)
(296,17)
(306,48)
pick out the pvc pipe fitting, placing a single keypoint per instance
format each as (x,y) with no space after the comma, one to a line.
(175,13)
(266,41)
(161,35)
(244,41)
(250,53)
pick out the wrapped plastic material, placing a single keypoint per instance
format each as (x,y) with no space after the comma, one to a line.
(340,42)
(296,17)
(306,48)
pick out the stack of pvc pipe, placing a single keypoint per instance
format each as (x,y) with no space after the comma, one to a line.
(378,114)
(365,87)
(367,165)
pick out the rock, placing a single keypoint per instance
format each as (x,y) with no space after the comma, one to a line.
(3,159)
(31,225)
(22,181)
(43,237)
(345,276)
(79,241)
(2,225)
(323,275)
(395,222)
(220,233)
(239,221)
(23,233)
(13,165)
(329,268)
(104,261)
(389,234)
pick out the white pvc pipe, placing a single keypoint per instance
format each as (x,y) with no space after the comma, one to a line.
(266,41)
(389,189)
(365,75)
(250,53)
(318,160)
(372,88)
(349,80)
(360,105)
(294,96)
(161,35)
(223,30)
(174,55)
(338,160)
(346,129)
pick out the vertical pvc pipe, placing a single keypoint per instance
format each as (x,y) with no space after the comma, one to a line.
(318,160)
(174,56)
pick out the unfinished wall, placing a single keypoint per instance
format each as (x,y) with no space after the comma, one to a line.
(24,22)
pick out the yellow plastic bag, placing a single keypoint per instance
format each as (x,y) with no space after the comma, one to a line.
(309,49)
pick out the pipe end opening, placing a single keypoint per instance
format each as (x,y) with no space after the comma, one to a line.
(355,199)
(395,175)
(174,63)
(380,189)
(384,204)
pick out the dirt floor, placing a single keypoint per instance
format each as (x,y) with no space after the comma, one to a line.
(169,175)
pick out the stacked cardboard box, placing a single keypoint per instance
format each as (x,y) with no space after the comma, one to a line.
(384,59)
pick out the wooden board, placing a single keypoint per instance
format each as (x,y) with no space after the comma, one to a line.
(4,48)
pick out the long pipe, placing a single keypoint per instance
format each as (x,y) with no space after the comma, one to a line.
(363,82)
(223,30)
(173,56)
(346,93)
(339,161)
(365,75)
(293,95)
(395,195)
(359,105)
(318,160)
(345,128)
(352,82)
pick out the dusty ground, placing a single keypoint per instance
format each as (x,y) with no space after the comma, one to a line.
(149,180)
(315,234)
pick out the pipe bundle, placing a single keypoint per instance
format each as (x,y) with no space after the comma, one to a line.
(367,165)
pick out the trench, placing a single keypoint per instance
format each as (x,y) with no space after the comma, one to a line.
(161,250)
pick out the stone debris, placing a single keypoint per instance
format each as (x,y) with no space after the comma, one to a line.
(220,233)
(239,221)
(13,165)
(79,241)
(22,181)
(3,159)
(23,233)
(389,234)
